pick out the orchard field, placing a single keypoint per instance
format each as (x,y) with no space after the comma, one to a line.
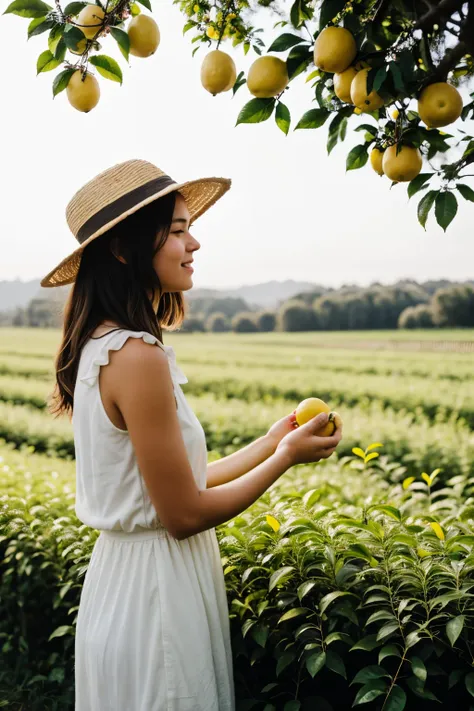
(350,582)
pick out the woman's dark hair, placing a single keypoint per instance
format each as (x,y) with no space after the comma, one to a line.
(107,289)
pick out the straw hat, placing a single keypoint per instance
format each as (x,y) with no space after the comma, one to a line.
(118,192)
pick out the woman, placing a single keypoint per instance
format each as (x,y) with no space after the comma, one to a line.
(152,631)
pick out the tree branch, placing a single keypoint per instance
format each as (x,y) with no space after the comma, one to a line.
(465,45)
(443,9)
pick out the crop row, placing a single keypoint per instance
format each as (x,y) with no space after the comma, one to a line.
(419,443)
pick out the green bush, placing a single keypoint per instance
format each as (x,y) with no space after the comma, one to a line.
(339,585)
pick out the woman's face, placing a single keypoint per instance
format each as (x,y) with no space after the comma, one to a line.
(178,249)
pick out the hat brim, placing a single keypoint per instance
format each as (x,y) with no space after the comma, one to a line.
(199,194)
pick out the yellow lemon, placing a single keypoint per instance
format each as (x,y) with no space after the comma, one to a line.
(439,104)
(342,84)
(402,167)
(91,16)
(359,95)
(196,8)
(376,157)
(218,72)
(267,77)
(334,50)
(395,114)
(312,406)
(83,95)
(81,45)
(134,9)
(144,35)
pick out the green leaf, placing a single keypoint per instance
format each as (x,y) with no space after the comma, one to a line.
(370,691)
(72,36)
(46,62)
(61,81)
(417,183)
(292,706)
(61,631)
(74,8)
(379,78)
(419,669)
(330,597)
(107,67)
(313,118)
(418,689)
(145,3)
(285,41)
(367,643)
(389,650)
(367,127)
(123,41)
(425,205)
(335,663)
(357,157)
(374,671)
(446,207)
(295,612)
(329,10)
(285,659)
(39,25)
(397,77)
(396,700)
(454,628)
(54,37)
(279,575)
(454,677)
(387,630)
(256,111)
(333,131)
(28,8)
(315,663)
(282,117)
(298,60)
(466,191)
(469,681)
(260,634)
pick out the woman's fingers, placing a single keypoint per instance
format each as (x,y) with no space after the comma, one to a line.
(326,453)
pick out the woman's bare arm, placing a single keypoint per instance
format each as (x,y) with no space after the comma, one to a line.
(234,465)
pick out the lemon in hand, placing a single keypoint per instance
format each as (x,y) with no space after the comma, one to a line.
(312,406)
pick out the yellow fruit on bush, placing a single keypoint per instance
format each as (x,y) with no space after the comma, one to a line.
(218,72)
(144,35)
(395,114)
(212,33)
(134,9)
(196,8)
(361,64)
(91,16)
(312,406)
(376,158)
(83,95)
(402,167)
(267,77)
(335,49)
(359,97)
(81,45)
(342,84)
(439,104)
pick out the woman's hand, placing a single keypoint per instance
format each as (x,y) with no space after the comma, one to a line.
(280,429)
(305,445)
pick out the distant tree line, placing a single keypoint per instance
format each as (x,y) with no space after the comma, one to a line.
(404,305)
(346,309)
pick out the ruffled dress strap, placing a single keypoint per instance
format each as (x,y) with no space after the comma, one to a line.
(113,341)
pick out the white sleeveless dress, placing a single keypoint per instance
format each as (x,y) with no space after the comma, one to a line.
(153,630)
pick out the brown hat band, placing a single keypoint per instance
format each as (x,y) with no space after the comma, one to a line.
(121,205)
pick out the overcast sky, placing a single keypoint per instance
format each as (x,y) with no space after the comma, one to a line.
(292,211)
